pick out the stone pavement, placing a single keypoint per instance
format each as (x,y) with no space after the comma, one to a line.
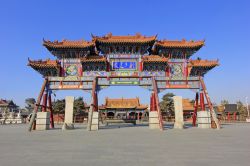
(126,145)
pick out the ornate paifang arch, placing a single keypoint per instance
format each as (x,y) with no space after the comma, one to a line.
(94,65)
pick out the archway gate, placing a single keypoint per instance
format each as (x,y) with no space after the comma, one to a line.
(123,60)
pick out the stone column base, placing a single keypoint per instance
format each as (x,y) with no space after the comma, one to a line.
(178,126)
(204,119)
(42,120)
(154,122)
(67,126)
(95,121)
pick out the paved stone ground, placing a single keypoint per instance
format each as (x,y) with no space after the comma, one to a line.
(126,145)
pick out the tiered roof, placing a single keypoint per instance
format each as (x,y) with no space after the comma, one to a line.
(180,44)
(70,49)
(45,67)
(201,67)
(87,51)
(44,64)
(203,63)
(138,38)
(177,49)
(132,103)
(67,44)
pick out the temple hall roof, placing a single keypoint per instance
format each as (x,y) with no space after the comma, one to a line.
(131,103)
(7,103)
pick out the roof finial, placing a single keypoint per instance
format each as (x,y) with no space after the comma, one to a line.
(109,34)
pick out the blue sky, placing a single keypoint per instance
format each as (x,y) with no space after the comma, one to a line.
(224,24)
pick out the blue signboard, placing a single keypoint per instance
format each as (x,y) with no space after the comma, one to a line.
(124,65)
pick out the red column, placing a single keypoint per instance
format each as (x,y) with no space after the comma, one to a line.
(44,106)
(228,116)
(51,112)
(108,67)
(195,108)
(108,70)
(202,101)
(80,70)
(140,69)
(152,102)
(235,116)
(95,102)
(62,72)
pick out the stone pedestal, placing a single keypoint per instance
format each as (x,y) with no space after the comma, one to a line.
(204,119)
(154,122)
(69,108)
(178,110)
(42,120)
(95,121)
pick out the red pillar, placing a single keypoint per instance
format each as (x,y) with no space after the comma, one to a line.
(51,112)
(108,67)
(95,101)
(202,101)
(235,117)
(195,108)
(140,66)
(228,116)
(153,103)
(80,70)
(44,106)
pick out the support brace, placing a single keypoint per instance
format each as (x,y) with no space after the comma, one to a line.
(38,101)
(212,112)
(93,117)
(157,104)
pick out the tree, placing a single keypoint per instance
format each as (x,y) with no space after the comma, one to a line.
(30,104)
(78,105)
(58,106)
(167,103)
(242,110)
(224,102)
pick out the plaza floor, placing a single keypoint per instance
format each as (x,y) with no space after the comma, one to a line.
(127,145)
